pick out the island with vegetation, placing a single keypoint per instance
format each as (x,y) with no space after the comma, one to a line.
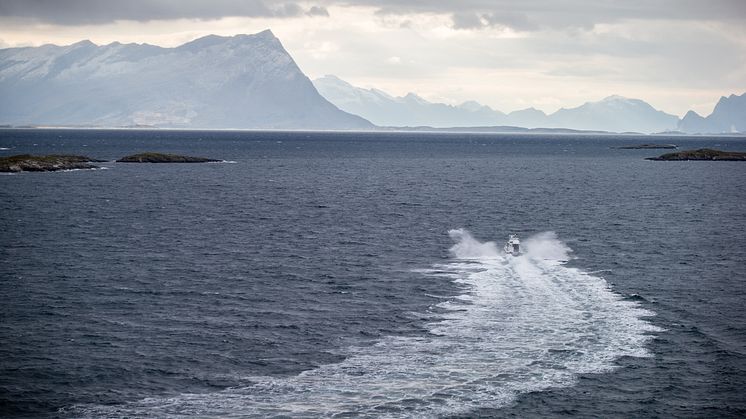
(702,154)
(647,146)
(50,163)
(163,158)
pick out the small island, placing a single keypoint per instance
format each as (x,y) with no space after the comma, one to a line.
(647,146)
(701,154)
(163,158)
(50,163)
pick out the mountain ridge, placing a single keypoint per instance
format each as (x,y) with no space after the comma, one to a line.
(728,116)
(242,81)
(613,113)
(249,81)
(384,109)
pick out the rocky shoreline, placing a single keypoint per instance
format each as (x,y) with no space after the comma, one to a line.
(53,162)
(701,154)
(50,163)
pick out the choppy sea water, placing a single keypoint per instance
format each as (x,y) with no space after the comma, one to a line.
(361,274)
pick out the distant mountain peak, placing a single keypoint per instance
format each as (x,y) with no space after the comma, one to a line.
(615,113)
(613,98)
(728,116)
(330,78)
(528,112)
(473,106)
(84,44)
(266,34)
(208,41)
(618,99)
(415,97)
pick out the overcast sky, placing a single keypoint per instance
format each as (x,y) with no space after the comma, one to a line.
(675,54)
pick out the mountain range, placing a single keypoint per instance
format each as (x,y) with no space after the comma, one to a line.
(729,115)
(613,113)
(251,82)
(244,81)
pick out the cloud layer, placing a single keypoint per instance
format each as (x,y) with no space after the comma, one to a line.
(525,15)
(79,12)
(542,14)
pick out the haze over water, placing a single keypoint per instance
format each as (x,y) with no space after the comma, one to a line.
(323,274)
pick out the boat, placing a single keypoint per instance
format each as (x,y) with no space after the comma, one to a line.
(513,246)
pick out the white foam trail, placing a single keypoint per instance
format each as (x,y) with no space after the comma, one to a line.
(527,323)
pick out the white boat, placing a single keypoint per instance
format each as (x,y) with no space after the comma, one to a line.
(513,246)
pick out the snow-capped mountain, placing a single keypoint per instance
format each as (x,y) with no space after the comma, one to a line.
(728,116)
(244,81)
(529,118)
(614,113)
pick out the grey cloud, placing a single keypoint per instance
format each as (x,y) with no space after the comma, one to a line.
(529,15)
(467,21)
(77,12)
(518,21)
(287,9)
(318,11)
(525,15)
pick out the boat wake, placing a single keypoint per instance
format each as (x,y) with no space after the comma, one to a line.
(523,324)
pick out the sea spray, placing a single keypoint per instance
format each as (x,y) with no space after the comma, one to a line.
(546,246)
(467,247)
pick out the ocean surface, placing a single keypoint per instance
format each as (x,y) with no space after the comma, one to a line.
(362,275)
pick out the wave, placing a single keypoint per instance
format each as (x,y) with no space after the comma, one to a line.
(524,323)
(80,170)
(55,171)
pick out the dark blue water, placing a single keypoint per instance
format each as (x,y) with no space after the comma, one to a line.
(314,275)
